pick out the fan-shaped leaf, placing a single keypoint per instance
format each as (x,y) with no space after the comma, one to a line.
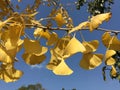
(33,46)
(54,62)
(91,61)
(60,19)
(62,69)
(111,42)
(95,21)
(110,61)
(90,46)
(109,53)
(61,45)
(74,46)
(32,59)
(9,74)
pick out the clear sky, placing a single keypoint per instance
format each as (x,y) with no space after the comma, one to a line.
(80,79)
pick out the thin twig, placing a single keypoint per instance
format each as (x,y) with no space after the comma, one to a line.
(67,29)
(7,3)
(107,30)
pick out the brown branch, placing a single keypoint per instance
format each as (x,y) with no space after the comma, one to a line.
(68,29)
(11,8)
(107,30)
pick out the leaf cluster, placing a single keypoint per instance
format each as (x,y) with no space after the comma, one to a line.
(14,37)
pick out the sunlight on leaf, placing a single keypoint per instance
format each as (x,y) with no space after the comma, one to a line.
(62,69)
(108,57)
(9,74)
(109,53)
(61,45)
(111,42)
(74,46)
(59,19)
(33,46)
(39,32)
(95,21)
(53,61)
(4,57)
(82,25)
(32,59)
(52,39)
(113,71)
(91,61)
(90,46)
(110,61)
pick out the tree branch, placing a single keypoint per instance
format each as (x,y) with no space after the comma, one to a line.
(11,8)
(67,29)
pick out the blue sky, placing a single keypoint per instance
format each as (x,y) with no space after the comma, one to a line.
(80,79)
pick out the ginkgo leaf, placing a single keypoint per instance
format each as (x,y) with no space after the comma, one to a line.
(53,39)
(4,57)
(95,21)
(32,59)
(109,53)
(42,33)
(11,49)
(91,61)
(9,74)
(110,61)
(113,71)
(90,46)
(9,45)
(61,45)
(33,46)
(74,46)
(111,42)
(82,25)
(54,62)
(59,19)
(62,69)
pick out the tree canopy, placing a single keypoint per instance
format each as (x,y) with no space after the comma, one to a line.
(15,21)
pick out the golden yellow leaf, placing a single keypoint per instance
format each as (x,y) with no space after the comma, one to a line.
(113,71)
(9,73)
(53,39)
(61,45)
(12,49)
(95,21)
(82,25)
(111,42)
(59,19)
(33,46)
(54,62)
(110,61)
(42,33)
(74,46)
(32,59)
(4,57)
(91,61)
(9,45)
(90,46)
(109,53)
(62,69)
